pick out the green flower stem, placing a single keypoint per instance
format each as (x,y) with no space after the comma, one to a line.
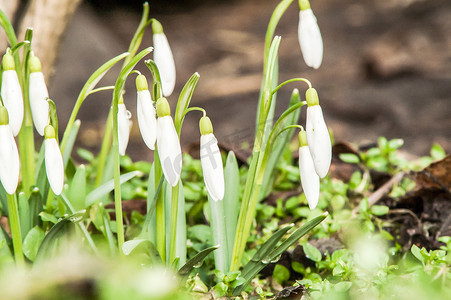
(48,205)
(289,81)
(173,227)
(105,149)
(137,37)
(159,210)
(273,22)
(14,223)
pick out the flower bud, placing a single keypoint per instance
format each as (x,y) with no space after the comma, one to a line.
(54,166)
(9,155)
(168,144)
(38,96)
(309,178)
(309,35)
(123,125)
(163,59)
(211,161)
(11,93)
(147,120)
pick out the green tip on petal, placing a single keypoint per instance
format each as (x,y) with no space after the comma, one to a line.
(205,126)
(141,83)
(156,27)
(34,64)
(121,100)
(8,62)
(312,97)
(163,108)
(4,119)
(49,132)
(302,138)
(304,4)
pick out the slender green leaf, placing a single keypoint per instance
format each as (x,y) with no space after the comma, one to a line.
(195,261)
(184,100)
(107,187)
(8,27)
(24,214)
(231,199)
(77,189)
(273,255)
(71,141)
(218,228)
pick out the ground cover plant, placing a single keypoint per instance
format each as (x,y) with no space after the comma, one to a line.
(180,227)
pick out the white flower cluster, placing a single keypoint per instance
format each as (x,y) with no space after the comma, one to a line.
(12,114)
(315,150)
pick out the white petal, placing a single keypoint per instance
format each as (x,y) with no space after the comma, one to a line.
(123,126)
(309,178)
(318,140)
(310,39)
(9,160)
(169,149)
(165,62)
(38,103)
(147,120)
(12,99)
(54,166)
(210,159)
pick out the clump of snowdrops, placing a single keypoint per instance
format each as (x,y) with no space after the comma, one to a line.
(44,196)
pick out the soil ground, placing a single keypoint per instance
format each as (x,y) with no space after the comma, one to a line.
(386,68)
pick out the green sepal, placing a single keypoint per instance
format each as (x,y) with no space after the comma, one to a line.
(163,108)
(205,126)
(8,62)
(34,64)
(4,119)
(141,83)
(311,95)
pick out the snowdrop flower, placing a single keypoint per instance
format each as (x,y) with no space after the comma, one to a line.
(168,143)
(163,58)
(147,120)
(12,94)
(123,125)
(38,96)
(9,155)
(211,161)
(309,35)
(309,178)
(54,166)
(317,134)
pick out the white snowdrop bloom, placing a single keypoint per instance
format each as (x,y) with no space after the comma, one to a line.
(211,161)
(38,96)
(163,59)
(54,166)
(147,120)
(310,38)
(12,94)
(9,155)
(123,125)
(309,178)
(168,143)
(317,135)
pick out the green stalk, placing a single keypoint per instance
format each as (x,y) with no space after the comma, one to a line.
(105,149)
(117,183)
(159,210)
(173,227)
(14,223)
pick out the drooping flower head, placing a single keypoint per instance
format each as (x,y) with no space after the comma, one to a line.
(309,178)
(54,166)
(147,120)
(211,161)
(317,134)
(162,55)
(38,96)
(309,35)
(168,143)
(9,155)
(123,124)
(12,94)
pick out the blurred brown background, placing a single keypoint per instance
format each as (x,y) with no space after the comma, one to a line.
(386,68)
